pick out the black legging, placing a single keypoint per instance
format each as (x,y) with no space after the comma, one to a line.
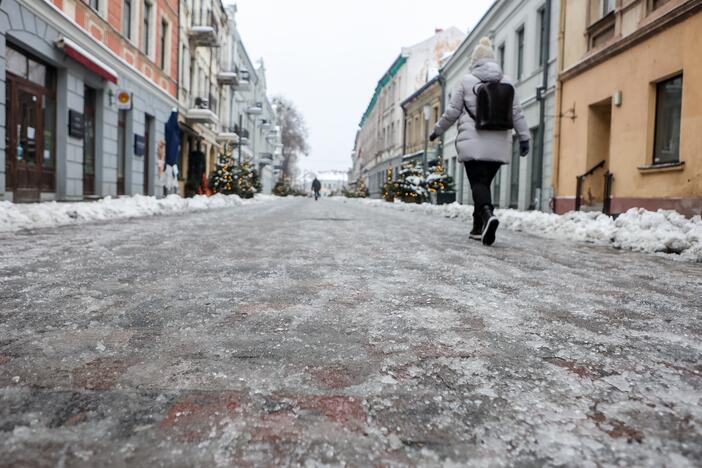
(480,175)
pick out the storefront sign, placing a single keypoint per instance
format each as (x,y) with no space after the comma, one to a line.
(139,145)
(124,99)
(76,124)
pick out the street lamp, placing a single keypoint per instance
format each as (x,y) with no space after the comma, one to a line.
(427,114)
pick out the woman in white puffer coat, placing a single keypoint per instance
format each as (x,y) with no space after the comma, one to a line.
(482,151)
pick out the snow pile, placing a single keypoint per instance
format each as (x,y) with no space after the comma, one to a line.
(14,217)
(664,231)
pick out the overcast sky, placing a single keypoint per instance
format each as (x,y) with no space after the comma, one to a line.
(327,56)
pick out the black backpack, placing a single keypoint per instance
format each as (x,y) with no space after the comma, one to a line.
(494,102)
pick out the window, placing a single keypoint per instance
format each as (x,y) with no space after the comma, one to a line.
(607,7)
(657,4)
(127,19)
(164,42)
(520,53)
(501,56)
(147,26)
(542,35)
(668,113)
(94,4)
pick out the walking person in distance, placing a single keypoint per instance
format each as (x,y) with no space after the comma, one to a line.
(487,109)
(316,187)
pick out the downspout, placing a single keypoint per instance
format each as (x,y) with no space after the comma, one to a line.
(404,131)
(559,104)
(442,107)
(546,54)
(178,54)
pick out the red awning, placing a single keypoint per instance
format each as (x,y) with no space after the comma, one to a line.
(87,59)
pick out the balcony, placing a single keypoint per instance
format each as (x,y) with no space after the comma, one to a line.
(228,77)
(201,113)
(227,135)
(203,36)
(244,80)
(255,109)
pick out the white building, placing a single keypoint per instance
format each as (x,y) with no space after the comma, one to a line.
(380,137)
(525,35)
(333,182)
(251,113)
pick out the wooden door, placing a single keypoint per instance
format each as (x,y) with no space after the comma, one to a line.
(24,139)
(89,142)
(148,124)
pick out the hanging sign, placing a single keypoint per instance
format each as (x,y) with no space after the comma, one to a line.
(76,124)
(139,145)
(124,99)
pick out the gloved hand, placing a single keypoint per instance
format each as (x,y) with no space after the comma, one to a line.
(524,148)
(433,136)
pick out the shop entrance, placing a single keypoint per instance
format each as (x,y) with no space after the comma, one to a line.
(89,142)
(30,120)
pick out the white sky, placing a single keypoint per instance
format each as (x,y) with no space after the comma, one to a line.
(327,56)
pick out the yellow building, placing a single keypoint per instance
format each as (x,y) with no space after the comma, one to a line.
(415,128)
(629,106)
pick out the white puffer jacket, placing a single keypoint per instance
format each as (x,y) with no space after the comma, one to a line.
(481,145)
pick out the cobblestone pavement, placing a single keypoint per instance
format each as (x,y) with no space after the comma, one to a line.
(303,333)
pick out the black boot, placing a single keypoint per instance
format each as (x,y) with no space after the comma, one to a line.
(490,225)
(477,232)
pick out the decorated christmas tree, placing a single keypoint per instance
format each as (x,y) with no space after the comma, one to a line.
(410,186)
(282,188)
(361,189)
(228,178)
(222,180)
(390,187)
(437,180)
(246,180)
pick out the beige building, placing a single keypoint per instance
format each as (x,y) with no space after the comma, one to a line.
(629,106)
(381,134)
(416,131)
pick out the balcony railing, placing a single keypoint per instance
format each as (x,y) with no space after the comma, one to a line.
(201,112)
(228,77)
(227,134)
(244,80)
(255,109)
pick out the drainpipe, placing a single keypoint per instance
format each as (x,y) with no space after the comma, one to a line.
(559,101)
(546,54)
(178,51)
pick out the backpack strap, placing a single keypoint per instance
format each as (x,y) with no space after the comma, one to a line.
(472,116)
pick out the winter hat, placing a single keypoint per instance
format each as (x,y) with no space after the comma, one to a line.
(483,50)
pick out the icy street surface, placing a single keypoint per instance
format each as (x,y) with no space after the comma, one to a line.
(303,333)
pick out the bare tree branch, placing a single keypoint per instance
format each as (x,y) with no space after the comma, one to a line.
(294,134)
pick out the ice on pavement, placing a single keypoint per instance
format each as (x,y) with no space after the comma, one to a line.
(14,217)
(663,232)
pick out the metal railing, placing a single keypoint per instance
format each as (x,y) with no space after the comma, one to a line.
(579,184)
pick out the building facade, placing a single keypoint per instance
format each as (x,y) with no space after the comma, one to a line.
(207,74)
(424,102)
(630,106)
(381,132)
(524,34)
(62,67)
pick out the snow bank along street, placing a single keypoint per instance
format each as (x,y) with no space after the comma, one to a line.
(14,217)
(662,232)
(303,333)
